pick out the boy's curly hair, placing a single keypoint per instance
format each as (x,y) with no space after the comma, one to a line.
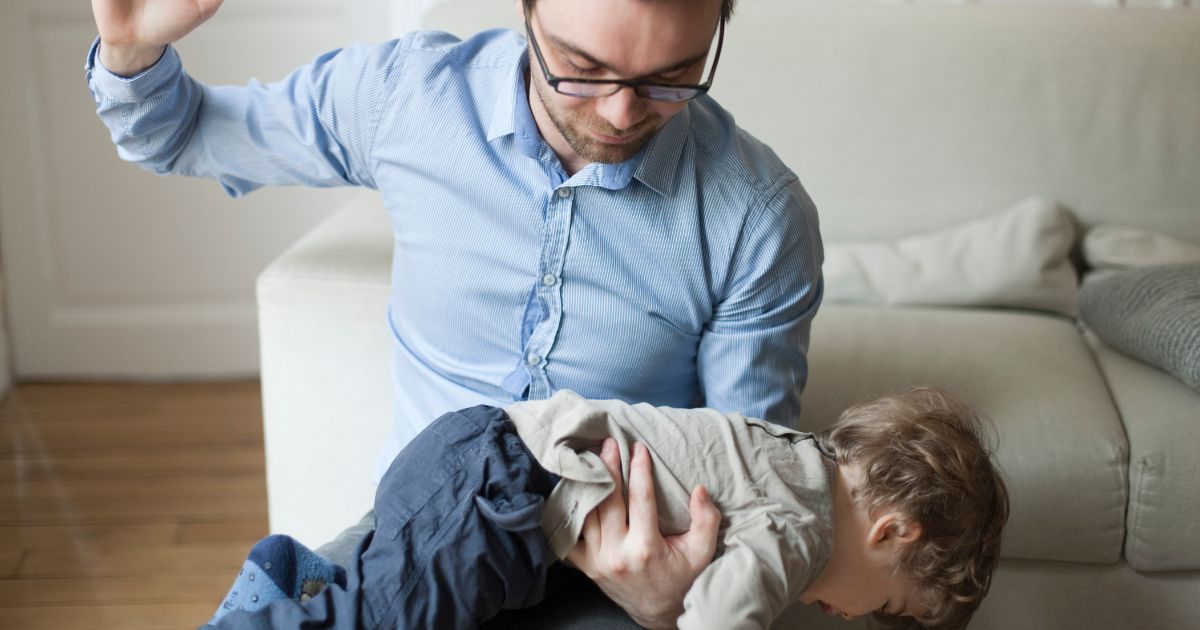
(927,455)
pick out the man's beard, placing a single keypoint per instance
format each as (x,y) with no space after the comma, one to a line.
(574,126)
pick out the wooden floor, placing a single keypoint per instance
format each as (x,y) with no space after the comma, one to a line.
(127,505)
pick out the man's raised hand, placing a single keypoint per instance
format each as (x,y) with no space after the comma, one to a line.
(629,559)
(133,33)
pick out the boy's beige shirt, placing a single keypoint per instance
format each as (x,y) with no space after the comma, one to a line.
(772,485)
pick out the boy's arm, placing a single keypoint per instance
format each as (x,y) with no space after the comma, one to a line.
(763,571)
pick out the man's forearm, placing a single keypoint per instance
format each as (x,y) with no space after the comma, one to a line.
(127,61)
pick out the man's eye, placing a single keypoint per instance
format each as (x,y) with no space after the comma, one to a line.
(669,78)
(577,69)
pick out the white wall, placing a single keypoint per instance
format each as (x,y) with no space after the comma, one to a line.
(114,272)
(406,14)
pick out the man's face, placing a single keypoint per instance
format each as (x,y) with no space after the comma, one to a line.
(665,41)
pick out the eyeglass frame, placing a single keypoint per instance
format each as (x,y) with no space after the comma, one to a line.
(636,86)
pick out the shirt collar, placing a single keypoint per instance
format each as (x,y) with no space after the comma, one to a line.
(663,154)
(511,115)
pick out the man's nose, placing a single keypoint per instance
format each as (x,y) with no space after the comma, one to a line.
(622,110)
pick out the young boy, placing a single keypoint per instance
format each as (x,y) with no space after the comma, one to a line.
(896,511)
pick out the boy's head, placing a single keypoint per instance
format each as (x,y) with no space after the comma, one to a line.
(930,506)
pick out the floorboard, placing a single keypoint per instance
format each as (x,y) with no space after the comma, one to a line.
(126,505)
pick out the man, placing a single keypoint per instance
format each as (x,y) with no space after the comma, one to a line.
(570,211)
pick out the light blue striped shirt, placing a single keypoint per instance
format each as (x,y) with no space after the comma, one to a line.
(685,276)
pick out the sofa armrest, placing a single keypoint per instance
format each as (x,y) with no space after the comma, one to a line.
(325,371)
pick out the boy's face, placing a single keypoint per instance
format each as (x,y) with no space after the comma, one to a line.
(864,590)
(859,579)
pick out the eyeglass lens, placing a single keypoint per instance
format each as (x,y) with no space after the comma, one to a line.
(654,92)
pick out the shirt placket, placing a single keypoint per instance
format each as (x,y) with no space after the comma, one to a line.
(557,229)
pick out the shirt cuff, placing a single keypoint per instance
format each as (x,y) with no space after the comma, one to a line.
(135,88)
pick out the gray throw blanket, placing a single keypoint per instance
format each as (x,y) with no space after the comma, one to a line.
(1152,314)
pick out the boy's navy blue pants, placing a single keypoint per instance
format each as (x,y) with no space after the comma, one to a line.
(457,536)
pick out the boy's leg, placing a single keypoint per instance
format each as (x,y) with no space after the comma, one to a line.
(458,534)
(458,538)
(335,607)
(279,567)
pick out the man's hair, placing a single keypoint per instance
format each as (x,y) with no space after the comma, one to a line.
(726,8)
(927,455)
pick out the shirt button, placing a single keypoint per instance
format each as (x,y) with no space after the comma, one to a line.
(564,192)
(533,359)
(549,279)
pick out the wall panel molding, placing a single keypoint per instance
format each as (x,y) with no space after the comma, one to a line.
(115,272)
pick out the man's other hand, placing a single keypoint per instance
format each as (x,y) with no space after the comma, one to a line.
(644,572)
(133,33)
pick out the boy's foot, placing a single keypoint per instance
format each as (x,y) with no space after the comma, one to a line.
(279,567)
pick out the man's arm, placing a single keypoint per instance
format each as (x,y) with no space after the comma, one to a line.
(752,360)
(316,127)
(752,356)
(630,560)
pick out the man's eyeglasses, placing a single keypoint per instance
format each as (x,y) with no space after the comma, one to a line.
(594,88)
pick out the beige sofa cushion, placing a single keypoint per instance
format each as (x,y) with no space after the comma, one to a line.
(1162,420)
(1017,258)
(1062,448)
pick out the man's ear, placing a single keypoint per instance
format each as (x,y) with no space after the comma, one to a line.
(519,5)
(893,527)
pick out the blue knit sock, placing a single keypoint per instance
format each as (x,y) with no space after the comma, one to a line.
(279,567)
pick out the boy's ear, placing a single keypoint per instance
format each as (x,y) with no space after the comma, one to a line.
(893,527)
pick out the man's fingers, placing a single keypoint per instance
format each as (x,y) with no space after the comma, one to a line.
(643,508)
(612,510)
(700,542)
(209,7)
(583,553)
(591,533)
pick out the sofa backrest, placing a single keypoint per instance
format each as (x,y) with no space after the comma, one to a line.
(900,119)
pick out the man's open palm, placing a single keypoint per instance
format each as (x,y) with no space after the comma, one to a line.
(150,22)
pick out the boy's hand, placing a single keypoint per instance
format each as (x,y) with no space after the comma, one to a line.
(133,33)
(630,560)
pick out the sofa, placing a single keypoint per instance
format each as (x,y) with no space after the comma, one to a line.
(913,127)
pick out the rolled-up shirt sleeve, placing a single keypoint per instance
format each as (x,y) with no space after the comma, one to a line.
(315,127)
(753,353)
